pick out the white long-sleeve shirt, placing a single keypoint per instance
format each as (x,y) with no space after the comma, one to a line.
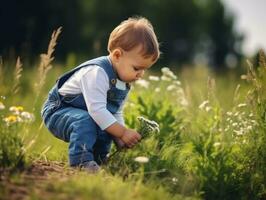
(93,83)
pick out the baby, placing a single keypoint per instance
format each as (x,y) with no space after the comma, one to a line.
(85,106)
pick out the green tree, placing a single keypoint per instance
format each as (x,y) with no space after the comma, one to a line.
(185,28)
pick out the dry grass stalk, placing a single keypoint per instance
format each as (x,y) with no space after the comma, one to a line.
(45,63)
(46,59)
(251,71)
(236,94)
(252,75)
(211,88)
(17,76)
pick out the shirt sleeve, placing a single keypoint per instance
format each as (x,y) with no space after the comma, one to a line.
(94,85)
(119,115)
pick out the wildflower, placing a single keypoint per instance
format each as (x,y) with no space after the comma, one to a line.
(203,104)
(241,105)
(147,127)
(180,92)
(171,75)
(239,132)
(157,89)
(2,106)
(154,78)
(234,124)
(249,128)
(165,70)
(239,117)
(16,109)
(216,144)
(20,108)
(253,122)
(208,108)
(229,113)
(177,83)
(184,102)
(13,108)
(141,159)
(19,119)
(168,73)
(10,119)
(171,87)
(143,83)
(244,76)
(27,116)
(174,180)
(165,78)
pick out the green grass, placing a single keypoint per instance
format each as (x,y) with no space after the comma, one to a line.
(102,187)
(211,144)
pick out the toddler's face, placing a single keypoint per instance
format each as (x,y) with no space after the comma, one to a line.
(131,65)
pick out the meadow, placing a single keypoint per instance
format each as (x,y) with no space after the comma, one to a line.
(211,142)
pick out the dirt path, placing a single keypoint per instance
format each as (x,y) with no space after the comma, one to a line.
(32,180)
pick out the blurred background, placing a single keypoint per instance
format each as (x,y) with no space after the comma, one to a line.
(216,33)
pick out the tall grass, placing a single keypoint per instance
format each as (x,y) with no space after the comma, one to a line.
(211,144)
(45,63)
(17,76)
(14,120)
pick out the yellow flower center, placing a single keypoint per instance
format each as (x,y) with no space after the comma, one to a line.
(11,119)
(20,108)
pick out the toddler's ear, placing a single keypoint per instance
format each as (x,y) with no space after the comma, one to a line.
(117,53)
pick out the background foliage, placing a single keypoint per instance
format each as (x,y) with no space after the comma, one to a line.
(188,30)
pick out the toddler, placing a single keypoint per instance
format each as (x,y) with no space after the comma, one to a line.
(85,105)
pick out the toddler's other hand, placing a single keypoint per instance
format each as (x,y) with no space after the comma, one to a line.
(130,138)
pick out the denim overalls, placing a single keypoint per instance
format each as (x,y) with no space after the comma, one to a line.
(68,119)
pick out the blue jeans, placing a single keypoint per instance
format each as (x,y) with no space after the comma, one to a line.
(86,140)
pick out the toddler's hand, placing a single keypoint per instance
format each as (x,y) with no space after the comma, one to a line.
(119,143)
(130,138)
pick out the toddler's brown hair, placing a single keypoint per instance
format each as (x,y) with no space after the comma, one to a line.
(133,32)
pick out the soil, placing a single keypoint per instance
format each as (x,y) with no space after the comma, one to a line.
(32,180)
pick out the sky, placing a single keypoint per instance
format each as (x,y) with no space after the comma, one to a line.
(250,20)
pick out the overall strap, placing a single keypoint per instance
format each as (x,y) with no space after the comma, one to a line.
(102,62)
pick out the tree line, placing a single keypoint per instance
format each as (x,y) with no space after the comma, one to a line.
(189,31)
